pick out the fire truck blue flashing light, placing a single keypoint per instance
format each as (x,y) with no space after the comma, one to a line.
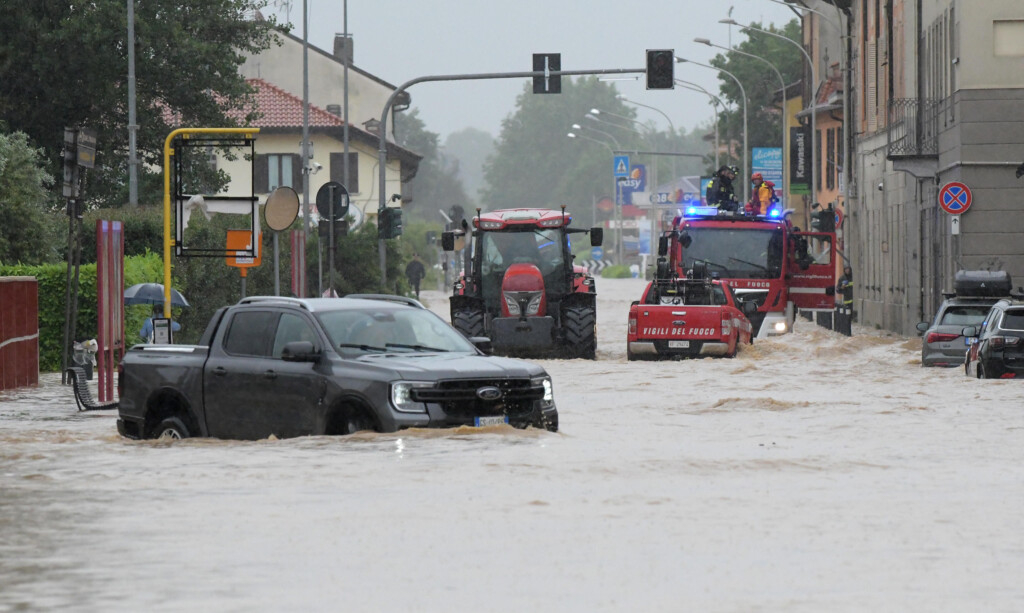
(775,213)
(702,211)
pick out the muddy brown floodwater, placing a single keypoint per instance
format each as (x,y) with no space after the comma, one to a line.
(813,472)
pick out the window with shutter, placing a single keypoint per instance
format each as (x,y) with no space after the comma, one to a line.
(871,104)
(260,169)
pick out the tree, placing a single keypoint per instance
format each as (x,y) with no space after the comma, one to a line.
(468,149)
(764,119)
(64,63)
(26,234)
(436,186)
(536,164)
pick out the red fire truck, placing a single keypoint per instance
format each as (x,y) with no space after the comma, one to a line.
(765,258)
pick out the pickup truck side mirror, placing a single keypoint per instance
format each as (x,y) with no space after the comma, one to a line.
(923,326)
(483,344)
(749,308)
(663,246)
(596,237)
(969,331)
(300,351)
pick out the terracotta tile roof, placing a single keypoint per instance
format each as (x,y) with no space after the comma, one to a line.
(280,109)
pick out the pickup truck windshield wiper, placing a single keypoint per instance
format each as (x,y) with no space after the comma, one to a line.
(363,347)
(416,347)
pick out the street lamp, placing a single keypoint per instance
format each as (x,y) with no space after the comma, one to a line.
(577,126)
(615,191)
(782,81)
(845,59)
(746,154)
(814,100)
(675,173)
(593,212)
(715,100)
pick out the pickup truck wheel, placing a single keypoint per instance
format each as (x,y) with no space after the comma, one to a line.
(580,324)
(172,428)
(469,322)
(357,421)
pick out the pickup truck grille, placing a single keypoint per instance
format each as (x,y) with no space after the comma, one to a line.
(459,398)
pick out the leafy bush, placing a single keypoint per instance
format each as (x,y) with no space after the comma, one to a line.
(51,279)
(617,271)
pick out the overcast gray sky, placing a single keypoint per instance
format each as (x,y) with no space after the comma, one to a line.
(399,40)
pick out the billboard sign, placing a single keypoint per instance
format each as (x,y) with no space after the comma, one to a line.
(768,162)
(799,161)
(635,182)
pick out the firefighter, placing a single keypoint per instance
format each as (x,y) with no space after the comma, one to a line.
(721,192)
(845,286)
(762,196)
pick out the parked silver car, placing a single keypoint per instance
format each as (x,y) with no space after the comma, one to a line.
(975,291)
(943,343)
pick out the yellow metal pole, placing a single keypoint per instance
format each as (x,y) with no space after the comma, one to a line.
(168,152)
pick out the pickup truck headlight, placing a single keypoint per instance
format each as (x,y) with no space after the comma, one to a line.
(548,400)
(401,396)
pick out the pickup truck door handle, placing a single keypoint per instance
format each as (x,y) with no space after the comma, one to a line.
(220,371)
(270,375)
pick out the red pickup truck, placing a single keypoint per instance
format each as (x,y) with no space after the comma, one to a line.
(679,318)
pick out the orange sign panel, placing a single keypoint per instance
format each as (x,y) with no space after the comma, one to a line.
(240,242)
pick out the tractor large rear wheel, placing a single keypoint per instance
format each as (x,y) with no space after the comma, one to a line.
(580,325)
(469,322)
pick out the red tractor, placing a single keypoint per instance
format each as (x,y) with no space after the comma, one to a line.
(519,286)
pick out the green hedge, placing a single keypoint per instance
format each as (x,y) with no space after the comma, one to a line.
(617,271)
(52,287)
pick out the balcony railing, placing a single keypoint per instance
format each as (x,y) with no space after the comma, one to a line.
(913,127)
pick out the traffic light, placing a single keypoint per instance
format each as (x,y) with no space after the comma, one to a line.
(661,69)
(390,223)
(823,220)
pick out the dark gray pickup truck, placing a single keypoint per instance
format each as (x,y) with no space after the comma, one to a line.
(294,367)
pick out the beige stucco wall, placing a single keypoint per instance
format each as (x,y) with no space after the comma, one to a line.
(366,200)
(282,66)
(989,56)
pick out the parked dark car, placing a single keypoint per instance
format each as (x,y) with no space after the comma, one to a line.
(998,348)
(293,367)
(976,291)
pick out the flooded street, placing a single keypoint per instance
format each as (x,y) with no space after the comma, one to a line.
(814,472)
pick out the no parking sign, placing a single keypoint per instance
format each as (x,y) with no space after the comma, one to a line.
(955,197)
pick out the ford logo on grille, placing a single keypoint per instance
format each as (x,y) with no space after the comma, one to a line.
(488,393)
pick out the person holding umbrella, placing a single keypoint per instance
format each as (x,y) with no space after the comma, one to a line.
(147,326)
(153,294)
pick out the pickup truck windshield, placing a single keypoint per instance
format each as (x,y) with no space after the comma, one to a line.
(355,332)
(736,253)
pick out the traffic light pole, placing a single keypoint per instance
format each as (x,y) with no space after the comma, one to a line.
(382,136)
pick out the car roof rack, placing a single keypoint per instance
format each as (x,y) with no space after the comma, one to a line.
(279,299)
(389,298)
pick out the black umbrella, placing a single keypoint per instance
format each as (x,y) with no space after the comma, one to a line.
(152,293)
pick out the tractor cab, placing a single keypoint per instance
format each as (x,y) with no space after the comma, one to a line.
(519,286)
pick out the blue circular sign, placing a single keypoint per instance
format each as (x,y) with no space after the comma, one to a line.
(596,253)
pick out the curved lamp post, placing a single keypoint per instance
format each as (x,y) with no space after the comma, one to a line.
(814,100)
(715,100)
(675,173)
(845,59)
(746,154)
(782,82)
(615,192)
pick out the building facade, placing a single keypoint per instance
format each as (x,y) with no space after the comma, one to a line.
(936,96)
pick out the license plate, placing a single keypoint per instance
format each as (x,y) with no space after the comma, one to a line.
(679,344)
(490,420)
